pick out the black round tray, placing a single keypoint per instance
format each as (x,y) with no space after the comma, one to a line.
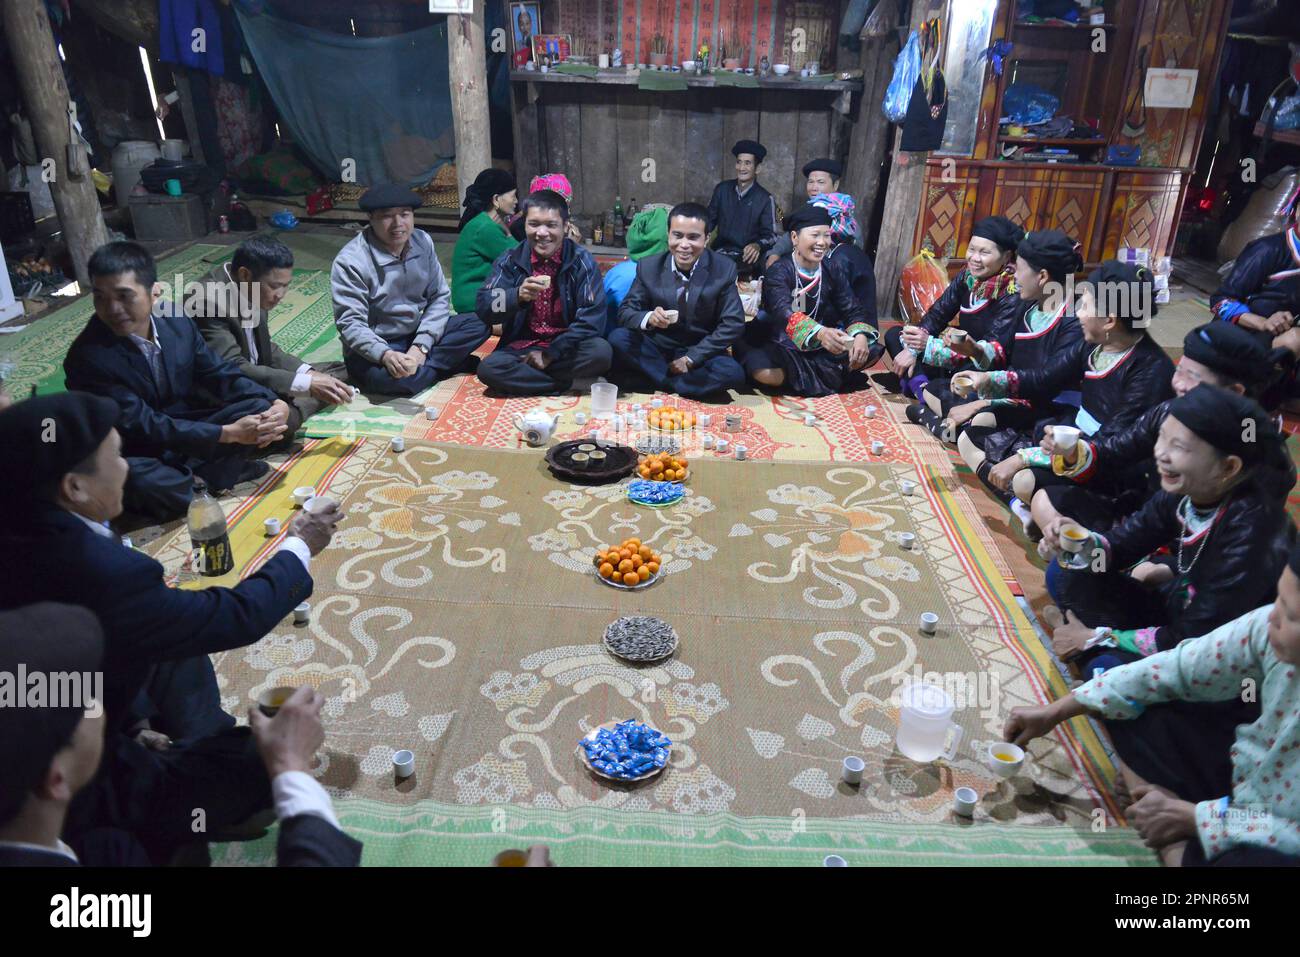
(620,461)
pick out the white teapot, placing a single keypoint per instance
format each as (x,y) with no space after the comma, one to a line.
(537,427)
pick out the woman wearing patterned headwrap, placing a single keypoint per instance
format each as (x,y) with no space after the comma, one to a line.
(556,183)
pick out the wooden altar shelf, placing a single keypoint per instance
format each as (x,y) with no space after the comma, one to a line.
(786,84)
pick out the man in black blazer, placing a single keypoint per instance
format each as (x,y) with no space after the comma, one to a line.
(58,497)
(50,751)
(184,411)
(681,315)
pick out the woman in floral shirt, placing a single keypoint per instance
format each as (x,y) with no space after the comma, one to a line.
(1193,806)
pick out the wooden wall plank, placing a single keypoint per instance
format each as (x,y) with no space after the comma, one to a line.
(779,132)
(814,140)
(524,126)
(666,134)
(633,110)
(599,153)
(704,152)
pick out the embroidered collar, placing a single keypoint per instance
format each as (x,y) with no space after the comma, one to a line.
(1093,372)
(1051,323)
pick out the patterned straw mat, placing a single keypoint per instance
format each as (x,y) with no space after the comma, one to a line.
(457,614)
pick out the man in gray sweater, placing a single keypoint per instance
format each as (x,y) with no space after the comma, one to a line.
(392,304)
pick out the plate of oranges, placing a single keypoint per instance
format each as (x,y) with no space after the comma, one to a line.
(629,565)
(662,467)
(671,419)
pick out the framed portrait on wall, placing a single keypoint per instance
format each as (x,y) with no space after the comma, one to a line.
(525,23)
(555,45)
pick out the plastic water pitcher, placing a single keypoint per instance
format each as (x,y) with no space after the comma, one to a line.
(604,397)
(924,721)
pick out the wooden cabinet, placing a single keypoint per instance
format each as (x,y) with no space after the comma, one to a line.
(1102,207)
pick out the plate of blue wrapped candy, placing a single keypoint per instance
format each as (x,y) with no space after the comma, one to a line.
(625,750)
(655,494)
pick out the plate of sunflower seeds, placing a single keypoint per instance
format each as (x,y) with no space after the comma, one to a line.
(641,638)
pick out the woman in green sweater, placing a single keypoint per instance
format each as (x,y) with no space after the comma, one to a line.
(489,204)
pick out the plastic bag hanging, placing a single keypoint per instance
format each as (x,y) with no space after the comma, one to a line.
(907,67)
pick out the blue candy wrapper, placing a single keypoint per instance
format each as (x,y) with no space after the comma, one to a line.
(630,750)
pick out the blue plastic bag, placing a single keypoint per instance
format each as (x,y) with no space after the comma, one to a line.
(906,69)
(1028,104)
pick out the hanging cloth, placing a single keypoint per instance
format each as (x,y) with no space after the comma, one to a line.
(177,22)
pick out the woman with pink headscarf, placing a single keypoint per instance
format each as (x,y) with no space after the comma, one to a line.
(556,182)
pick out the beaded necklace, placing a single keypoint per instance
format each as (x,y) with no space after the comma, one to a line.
(1195,521)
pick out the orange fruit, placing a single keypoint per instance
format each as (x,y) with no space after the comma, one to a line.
(633,543)
(625,565)
(652,567)
(645,551)
(636,561)
(630,578)
(606,570)
(644,573)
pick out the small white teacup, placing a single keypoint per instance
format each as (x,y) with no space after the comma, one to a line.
(1005,758)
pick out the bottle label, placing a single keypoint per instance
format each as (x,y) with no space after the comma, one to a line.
(213,557)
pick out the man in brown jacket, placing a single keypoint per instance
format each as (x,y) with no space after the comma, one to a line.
(235,328)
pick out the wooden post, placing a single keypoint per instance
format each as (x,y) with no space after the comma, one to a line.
(467,67)
(873,134)
(36,61)
(903,198)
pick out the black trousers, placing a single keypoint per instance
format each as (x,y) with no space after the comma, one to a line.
(161,487)
(506,372)
(167,799)
(182,700)
(643,362)
(464,333)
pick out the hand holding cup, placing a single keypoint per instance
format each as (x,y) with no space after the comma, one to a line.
(315,526)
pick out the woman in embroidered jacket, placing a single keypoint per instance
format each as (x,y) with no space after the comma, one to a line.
(1230,802)
(825,341)
(1118,369)
(986,304)
(993,427)
(1262,291)
(1228,532)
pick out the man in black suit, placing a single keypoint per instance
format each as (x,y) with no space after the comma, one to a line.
(50,751)
(682,314)
(184,411)
(58,497)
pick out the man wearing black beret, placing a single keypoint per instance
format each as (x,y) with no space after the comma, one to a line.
(392,304)
(183,410)
(743,212)
(61,482)
(823,176)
